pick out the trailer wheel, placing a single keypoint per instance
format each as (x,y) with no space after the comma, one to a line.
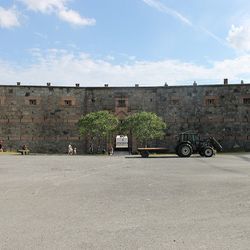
(144,154)
(184,150)
(208,152)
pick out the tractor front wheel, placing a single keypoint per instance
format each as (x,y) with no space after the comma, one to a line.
(208,152)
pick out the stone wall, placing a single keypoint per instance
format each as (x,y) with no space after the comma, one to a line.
(220,111)
(45,117)
(42,117)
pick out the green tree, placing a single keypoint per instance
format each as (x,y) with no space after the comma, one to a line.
(98,126)
(145,126)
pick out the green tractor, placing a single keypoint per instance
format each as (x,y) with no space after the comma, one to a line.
(190,143)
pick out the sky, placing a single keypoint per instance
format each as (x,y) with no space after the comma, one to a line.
(124,42)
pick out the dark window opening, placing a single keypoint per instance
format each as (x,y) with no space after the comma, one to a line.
(68,102)
(10,91)
(32,102)
(210,101)
(121,103)
(246,101)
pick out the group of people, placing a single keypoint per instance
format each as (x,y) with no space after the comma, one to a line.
(71,150)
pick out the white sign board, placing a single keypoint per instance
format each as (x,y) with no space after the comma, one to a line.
(121,141)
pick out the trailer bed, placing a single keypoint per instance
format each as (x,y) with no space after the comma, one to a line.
(144,152)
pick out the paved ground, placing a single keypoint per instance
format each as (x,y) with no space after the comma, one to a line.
(88,202)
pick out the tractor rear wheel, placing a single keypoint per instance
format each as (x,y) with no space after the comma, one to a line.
(208,152)
(184,150)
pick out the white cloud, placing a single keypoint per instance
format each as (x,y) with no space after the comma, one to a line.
(74,17)
(239,36)
(44,6)
(59,7)
(64,68)
(109,58)
(9,18)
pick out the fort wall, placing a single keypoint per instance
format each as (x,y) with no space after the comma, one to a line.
(46,118)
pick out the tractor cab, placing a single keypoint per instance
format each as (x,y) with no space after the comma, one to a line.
(192,138)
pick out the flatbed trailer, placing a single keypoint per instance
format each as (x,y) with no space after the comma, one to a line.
(144,152)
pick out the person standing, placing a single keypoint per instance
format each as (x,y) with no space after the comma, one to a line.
(110,149)
(70,150)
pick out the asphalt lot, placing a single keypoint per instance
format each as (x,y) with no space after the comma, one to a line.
(102,202)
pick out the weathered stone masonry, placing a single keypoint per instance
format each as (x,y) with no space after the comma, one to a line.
(45,117)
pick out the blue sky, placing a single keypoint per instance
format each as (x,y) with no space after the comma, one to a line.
(124,42)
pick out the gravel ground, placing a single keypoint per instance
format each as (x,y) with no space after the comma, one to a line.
(119,202)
